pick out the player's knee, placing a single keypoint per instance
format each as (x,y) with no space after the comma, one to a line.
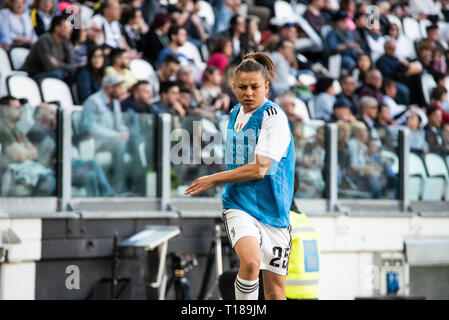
(275,294)
(252,266)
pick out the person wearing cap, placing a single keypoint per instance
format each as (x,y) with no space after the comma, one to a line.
(342,40)
(342,111)
(102,119)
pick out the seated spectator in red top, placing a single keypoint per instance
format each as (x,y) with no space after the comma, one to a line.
(220,54)
(372,86)
(437,98)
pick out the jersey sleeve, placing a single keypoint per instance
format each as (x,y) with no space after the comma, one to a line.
(274,136)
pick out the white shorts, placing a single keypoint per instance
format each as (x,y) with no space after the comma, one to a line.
(275,243)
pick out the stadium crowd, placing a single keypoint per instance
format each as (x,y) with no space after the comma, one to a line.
(386,79)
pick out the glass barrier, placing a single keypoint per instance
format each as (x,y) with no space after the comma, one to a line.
(197,149)
(310,145)
(368,162)
(113,154)
(28,150)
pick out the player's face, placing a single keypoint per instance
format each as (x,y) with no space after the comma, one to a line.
(250,88)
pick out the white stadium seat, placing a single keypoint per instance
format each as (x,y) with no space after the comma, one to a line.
(207,12)
(21,86)
(411,28)
(18,56)
(141,69)
(423,24)
(56,90)
(436,167)
(301,109)
(428,83)
(394,19)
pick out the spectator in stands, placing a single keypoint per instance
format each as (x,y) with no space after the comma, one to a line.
(224,14)
(186,78)
(342,111)
(432,39)
(439,64)
(434,136)
(361,32)
(120,62)
(325,99)
(365,176)
(157,38)
(236,33)
(289,31)
(211,92)
(437,98)
(42,12)
(328,11)
(344,158)
(425,54)
(369,108)
(342,40)
(177,36)
(51,56)
(375,40)
(169,103)
(284,72)
(108,20)
(5,40)
(221,53)
(312,165)
(95,37)
(88,78)
(20,156)
(314,16)
(425,9)
(140,99)
(134,27)
(167,72)
(384,125)
(348,87)
(364,65)
(43,134)
(17,24)
(348,6)
(103,120)
(392,67)
(417,135)
(372,86)
(287,102)
(79,51)
(252,35)
(403,44)
(390,91)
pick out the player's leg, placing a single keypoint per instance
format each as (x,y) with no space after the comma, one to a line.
(273,285)
(248,252)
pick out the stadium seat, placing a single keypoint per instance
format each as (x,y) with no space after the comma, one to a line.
(5,71)
(334,66)
(21,86)
(436,167)
(301,109)
(300,8)
(56,90)
(314,39)
(417,177)
(394,19)
(428,83)
(141,69)
(423,24)
(283,13)
(207,12)
(411,28)
(18,56)
(311,107)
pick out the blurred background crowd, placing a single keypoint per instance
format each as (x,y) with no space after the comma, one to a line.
(371,67)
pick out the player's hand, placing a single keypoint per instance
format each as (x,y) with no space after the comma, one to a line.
(199,185)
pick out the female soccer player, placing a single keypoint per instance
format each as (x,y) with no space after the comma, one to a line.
(259,180)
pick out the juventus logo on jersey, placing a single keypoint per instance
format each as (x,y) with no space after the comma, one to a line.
(271,111)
